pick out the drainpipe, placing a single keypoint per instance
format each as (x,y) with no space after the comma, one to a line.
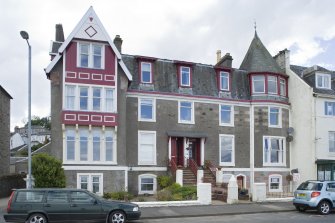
(252,148)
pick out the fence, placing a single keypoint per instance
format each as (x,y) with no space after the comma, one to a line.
(285,192)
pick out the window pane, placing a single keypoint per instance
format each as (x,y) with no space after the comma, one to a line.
(146,108)
(83,144)
(185,76)
(84,54)
(97,56)
(109,145)
(95,184)
(70,144)
(146,72)
(96,99)
(146,153)
(226,148)
(70,97)
(332,142)
(274,116)
(224,80)
(81,197)
(84,182)
(83,98)
(225,114)
(282,87)
(57,197)
(29,196)
(272,85)
(96,145)
(186,111)
(258,84)
(147,184)
(110,100)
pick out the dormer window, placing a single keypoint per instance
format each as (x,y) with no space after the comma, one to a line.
(90,55)
(146,72)
(224,81)
(323,81)
(185,76)
(258,84)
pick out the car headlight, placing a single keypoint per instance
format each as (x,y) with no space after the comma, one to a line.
(135,209)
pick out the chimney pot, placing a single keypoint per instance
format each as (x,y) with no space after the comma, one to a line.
(118,42)
(218,56)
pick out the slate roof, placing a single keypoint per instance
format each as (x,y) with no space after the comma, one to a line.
(204,79)
(258,58)
(308,75)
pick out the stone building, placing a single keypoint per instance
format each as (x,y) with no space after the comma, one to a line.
(119,121)
(4,131)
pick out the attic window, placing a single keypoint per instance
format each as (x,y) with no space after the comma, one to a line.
(323,81)
(90,55)
(224,81)
(185,76)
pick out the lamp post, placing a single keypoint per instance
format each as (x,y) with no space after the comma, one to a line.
(25,36)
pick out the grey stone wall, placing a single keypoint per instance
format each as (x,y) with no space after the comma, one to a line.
(4,133)
(206,121)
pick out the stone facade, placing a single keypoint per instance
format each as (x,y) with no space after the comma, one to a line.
(4,131)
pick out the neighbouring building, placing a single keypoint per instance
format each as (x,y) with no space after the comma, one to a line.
(4,130)
(119,121)
(312,95)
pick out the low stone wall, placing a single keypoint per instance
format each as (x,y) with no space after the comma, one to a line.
(9,182)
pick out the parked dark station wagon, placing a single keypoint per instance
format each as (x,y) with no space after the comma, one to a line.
(66,205)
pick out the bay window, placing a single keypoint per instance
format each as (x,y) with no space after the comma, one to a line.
(258,84)
(272,85)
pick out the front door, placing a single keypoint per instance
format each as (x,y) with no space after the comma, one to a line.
(177,150)
(194,150)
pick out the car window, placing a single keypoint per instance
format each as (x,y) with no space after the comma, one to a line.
(331,187)
(310,186)
(29,196)
(81,197)
(57,197)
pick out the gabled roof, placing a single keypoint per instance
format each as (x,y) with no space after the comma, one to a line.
(258,58)
(5,92)
(90,25)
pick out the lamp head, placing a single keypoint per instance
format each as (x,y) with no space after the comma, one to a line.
(24,35)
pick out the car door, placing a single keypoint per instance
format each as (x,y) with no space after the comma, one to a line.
(331,191)
(57,206)
(84,207)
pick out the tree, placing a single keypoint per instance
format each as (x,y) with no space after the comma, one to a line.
(44,122)
(47,171)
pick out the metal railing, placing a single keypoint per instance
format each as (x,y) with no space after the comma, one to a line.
(173,167)
(193,166)
(211,168)
(285,192)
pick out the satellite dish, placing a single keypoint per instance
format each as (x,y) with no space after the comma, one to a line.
(290,130)
(289,138)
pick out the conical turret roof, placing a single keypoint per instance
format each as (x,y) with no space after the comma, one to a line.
(258,58)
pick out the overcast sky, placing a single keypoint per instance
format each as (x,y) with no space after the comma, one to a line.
(190,30)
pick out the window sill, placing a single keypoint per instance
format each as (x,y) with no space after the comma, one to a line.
(228,125)
(187,123)
(227,164)
(147,120)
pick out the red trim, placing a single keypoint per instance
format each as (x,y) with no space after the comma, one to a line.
(183,63)
(266,87)
(271,73)
(179,66)
(107,119)
(140,71)
(266,74)
(204,97)
(145,58)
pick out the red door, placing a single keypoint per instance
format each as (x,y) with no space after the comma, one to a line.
(180,152)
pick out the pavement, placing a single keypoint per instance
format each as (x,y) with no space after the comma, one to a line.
(215,209)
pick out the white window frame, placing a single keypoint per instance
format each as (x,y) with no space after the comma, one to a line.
(232,163)
(279,125)
(153,110)
(329,108)
(154,144)
(275,80)
(90,160)
(140,177)
(68,97)
(253,84)
(103,98)
(224,75)
(280,188)
(150,65)
(181,76)
(232,115)
(100,98)
(88,98)
(90,181)
(90,55)
(324,81)
(282,84)
(331,141)
(66,145)
(192,113)
(283,144)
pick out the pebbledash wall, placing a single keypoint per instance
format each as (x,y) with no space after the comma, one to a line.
(240,143)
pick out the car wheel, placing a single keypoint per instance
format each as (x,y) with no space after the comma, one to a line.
(300,209)
(37,218)
(324,207)
(117,217)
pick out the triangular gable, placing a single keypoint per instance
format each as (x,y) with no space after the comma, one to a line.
(89,27)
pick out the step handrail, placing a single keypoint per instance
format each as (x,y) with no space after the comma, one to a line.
(194,167)
(173,167)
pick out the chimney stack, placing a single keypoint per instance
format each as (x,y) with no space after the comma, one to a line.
(118,42)
(59,33)
(218,56)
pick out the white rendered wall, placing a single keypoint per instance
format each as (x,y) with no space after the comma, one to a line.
(302,148)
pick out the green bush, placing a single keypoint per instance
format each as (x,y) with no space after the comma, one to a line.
(164,181)
(164,195)
(188,192)
(119,195)
(47,171)
(174,188)
(175,192)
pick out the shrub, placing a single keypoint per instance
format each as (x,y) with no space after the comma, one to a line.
(174,188)
(188,192)
(164,181)
(47,171)
(119,195)
(164,195)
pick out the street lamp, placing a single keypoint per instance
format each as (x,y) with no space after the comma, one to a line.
(25,36)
